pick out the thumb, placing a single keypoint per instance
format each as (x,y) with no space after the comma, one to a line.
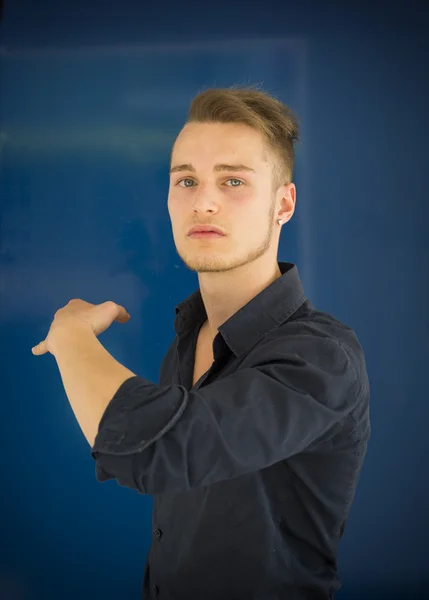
(41,348)
(117,311)
(106,313)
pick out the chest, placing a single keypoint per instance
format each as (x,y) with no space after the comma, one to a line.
(203,358)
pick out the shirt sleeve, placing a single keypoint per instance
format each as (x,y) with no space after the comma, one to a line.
(164,438)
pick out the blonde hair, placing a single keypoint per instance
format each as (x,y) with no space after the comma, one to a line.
(257,109)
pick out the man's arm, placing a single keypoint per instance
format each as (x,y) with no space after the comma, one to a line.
(90,375)
(165,438)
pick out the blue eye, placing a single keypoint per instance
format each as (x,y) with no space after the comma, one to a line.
(186,179)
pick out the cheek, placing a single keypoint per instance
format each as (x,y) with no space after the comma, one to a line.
(249,202)
(242,197)
(173,203)
(177,198)
(239,197)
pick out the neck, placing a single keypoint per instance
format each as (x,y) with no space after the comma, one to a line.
(226,292)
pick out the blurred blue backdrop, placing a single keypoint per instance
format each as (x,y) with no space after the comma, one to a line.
(92,95)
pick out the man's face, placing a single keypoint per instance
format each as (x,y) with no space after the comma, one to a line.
(205,191)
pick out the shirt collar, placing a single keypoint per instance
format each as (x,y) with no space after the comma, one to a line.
(263,313)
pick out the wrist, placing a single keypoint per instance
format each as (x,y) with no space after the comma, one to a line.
(68,332)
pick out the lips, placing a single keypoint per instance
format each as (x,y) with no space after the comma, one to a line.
(205,235)
(205,229)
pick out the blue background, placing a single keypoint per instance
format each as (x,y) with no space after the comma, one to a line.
(92,95)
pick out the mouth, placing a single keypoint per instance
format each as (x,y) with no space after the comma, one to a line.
(205,235)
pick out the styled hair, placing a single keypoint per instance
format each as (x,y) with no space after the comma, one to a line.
(257,109)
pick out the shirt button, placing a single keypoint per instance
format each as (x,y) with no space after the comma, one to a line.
(155,590)
(158,533)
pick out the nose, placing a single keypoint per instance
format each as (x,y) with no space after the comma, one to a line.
(204,200)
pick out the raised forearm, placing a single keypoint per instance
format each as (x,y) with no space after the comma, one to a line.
(90,375)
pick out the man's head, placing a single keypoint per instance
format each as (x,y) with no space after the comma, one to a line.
(231,167)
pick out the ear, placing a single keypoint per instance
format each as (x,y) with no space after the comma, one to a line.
(286,196)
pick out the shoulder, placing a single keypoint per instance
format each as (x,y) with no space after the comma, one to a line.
(318,339)
(314,325)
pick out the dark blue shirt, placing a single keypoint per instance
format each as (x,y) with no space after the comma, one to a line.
(254,468)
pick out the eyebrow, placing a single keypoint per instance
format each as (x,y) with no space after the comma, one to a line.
(218,167)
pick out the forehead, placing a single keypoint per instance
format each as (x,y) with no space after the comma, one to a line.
(220,142)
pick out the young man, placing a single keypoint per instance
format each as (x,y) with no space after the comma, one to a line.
(253,440)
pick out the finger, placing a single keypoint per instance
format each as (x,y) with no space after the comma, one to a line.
(122,315)
(40,348)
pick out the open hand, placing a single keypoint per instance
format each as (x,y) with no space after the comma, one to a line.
(77,312)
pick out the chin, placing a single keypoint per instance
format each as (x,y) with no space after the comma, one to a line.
(205,260)
(207,264)
(214,263)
